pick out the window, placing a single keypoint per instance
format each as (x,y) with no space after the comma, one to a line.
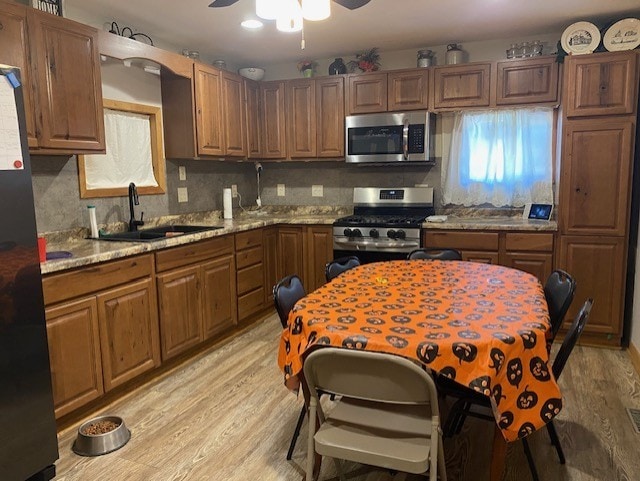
(500,157)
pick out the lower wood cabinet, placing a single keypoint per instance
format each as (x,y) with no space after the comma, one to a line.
(250,272)
(270,263)
(319,251)
(537,263)
(485,257)
(291,258)
(218,296)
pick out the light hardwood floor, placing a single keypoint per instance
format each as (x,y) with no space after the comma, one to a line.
(227,416)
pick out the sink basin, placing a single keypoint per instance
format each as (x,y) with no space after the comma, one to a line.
(156,233)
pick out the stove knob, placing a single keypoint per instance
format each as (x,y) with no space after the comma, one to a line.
(356,233)
(373,233)
(401,234)
(391,234)
(348,232)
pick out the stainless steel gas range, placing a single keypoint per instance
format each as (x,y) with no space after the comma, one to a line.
(385,223)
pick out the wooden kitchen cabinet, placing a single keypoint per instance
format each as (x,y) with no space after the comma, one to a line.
(235,142)
(14,51)
(66,76)
(601,84)
(272,104)
(533,80)
(319,251)
(253,125)
(595,184)
(484,257)
(474,246)
(209,119)
(366,93)
(270,263)
(301,118)
(408,90)
(529,252)
(219,296)
(456,86)
(598,264)
(330,117)
(74,354)
(291,252)
(250,272)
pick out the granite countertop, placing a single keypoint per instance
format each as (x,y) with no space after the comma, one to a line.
(493,223)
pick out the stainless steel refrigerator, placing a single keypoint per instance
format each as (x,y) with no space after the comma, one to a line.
(28,440)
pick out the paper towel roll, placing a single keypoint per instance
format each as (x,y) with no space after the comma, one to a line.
(226,203)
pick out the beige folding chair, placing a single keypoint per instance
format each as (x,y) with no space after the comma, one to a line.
(387,415)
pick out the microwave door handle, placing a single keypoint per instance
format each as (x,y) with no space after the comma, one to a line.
(405,139)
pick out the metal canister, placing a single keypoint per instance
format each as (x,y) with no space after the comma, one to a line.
(454,54)
(424,58)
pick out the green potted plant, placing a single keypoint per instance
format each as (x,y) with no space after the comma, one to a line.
(306,67)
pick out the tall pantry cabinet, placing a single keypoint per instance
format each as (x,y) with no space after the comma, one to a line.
(598,137)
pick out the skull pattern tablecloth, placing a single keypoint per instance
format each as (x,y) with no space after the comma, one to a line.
(484,326)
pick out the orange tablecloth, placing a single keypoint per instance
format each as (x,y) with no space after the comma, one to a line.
(483,325)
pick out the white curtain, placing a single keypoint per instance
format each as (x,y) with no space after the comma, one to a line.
(499,157)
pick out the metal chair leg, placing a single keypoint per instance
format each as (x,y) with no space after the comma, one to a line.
(532,465)
(296,432)
(555,440)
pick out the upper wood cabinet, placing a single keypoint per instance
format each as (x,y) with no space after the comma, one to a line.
(301,118)
(532,80)
(601,84)
(235,142)
(461,86)
(272,104)
(408,90)
(595,180)
(253,124)
(330,117)
(208,88)
(366,93)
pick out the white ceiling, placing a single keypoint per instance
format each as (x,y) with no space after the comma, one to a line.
(387,24)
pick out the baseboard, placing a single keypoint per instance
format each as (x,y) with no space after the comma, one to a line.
(634,354)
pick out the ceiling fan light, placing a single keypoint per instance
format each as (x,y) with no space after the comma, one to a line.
(316,9)
(289,18)
(267,9)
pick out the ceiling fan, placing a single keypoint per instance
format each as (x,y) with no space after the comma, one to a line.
(350,4)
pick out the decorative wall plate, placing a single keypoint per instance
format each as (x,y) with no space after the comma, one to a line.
(622,35)
(580,37)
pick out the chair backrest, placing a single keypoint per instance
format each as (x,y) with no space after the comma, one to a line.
(559,290)
(337,266)
(285,294)
(571,338)
(372,376)
(433,253)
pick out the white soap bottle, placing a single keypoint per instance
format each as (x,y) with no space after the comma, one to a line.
(92,220)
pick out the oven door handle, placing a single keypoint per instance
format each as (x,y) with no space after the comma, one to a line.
(405,139)
(379,245)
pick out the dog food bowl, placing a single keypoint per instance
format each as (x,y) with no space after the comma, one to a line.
(101,435)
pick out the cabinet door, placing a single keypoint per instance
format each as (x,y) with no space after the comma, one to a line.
(367,93)
(596,175)
(270,263)
(74,354)
(330,117)
(319,252)
(301,118)
(527,81)
(462,86)
(598,265)
(210,128)
(484,257)
(601,84)
(235,142)
(14,50)
(536,263)
(291,252)
(67,78)
(409,90)
(180,310)
(253,129)
(219,295)
(274,140)
(129,336)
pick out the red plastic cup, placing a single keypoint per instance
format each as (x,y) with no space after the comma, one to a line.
(42,249)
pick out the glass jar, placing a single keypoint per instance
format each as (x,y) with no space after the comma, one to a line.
(425,58)
(537,48)
(511,51)
(527,49)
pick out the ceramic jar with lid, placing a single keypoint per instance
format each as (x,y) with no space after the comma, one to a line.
(425,58)
(454,55)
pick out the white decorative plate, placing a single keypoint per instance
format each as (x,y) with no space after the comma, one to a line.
(581,37)
(622,35)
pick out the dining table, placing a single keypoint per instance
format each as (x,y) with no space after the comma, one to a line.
(483,326)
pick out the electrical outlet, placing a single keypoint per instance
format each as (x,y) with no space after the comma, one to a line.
(183,195)
(234,190)
(280,190)
(182,172)
(317,191)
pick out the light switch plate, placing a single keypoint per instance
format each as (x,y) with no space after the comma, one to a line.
(182,172)
(317,191)
(280,190)
(183,195)
(234,190)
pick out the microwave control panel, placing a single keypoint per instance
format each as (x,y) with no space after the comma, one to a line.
(416,138)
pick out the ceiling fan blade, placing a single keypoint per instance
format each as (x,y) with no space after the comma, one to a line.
(352,4)
(222,3)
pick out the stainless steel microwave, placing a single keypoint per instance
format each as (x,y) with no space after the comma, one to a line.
(391,137)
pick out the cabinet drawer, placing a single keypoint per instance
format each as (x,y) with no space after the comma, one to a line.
(250,278)
(249,257)
(192,253)
(86,280)
(529,242)
(250,238)
(250,303)
(462,240)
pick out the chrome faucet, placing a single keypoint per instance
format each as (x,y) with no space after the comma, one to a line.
(133,200)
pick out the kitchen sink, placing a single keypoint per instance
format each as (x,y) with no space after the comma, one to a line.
(156,233)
